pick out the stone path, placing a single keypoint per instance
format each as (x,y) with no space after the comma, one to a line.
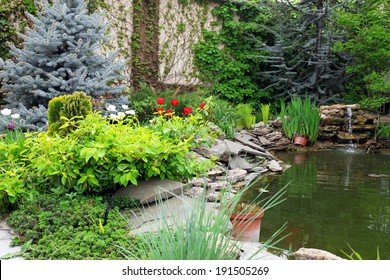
(6,235)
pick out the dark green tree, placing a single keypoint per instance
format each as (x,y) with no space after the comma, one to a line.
(299,59)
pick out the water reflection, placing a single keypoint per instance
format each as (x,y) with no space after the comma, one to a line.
(332,200)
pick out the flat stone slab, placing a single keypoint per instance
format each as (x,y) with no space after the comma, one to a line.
(237,148)
(151,190)
(172,211)
(238,162)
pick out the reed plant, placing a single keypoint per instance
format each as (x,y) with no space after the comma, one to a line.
(300,117)
(199,232)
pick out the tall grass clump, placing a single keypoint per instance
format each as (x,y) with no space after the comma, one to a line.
(300,117)
(265,108)
(199,232)
(246,118)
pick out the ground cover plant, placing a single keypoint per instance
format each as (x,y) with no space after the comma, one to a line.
(70,228)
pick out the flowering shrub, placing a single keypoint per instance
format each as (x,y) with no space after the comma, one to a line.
(98,155)
(174,103)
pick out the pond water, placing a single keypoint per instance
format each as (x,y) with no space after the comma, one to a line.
(335,197)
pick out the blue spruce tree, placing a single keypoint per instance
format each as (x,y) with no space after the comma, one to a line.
(61,54)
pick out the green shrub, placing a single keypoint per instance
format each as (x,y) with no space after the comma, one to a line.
(383,131)
(67,107)
(70,229)
(15,180)
(98,155)
(224,115)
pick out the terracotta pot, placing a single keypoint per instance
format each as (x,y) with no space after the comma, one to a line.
(300,140)
(246,227)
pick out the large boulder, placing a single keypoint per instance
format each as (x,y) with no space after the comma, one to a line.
(314,254)
(219,149)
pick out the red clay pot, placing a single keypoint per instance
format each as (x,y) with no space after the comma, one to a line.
(246,227)
(300,140)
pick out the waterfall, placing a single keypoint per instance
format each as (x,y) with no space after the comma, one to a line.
(349,115)
(351,145)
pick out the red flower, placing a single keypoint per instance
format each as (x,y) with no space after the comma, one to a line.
(202,105)
(160,111)
(169,113)
(187,110)
(174,102)
(160,100)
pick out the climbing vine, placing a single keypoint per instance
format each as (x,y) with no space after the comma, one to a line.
(13,20)
(226,59)
(144,42)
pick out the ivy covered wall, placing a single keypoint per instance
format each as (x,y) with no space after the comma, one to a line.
(157,38)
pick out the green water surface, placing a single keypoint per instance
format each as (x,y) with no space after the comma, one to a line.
(335,197)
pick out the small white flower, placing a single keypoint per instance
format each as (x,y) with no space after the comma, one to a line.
(48,139)
(114,116)
(121,114)
(130,112)
(6,112)
(15,116)
(125,107)
(111,108)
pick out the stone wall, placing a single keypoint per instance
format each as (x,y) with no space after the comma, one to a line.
(347,123)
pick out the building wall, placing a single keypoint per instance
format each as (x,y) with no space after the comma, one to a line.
(180,27)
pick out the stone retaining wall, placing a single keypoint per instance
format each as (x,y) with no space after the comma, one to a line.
(347,123)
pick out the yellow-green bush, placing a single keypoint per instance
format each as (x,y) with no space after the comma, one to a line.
(66,107)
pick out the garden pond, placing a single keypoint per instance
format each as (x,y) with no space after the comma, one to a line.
(335,198)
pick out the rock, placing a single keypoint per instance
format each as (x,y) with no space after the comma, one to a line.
(274,166)
(234,176)
(240,185)
(238,148)
(216,171)
(264,141)
(238,162)
(149,191)
(262,130)
(213,196)
(314,254)
(248,140)
(384,119)
(195,191)
(273,136)
(259,169)
(217,185)
(199,182)
(219,149)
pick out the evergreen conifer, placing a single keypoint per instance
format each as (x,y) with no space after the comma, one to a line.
(61,54)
